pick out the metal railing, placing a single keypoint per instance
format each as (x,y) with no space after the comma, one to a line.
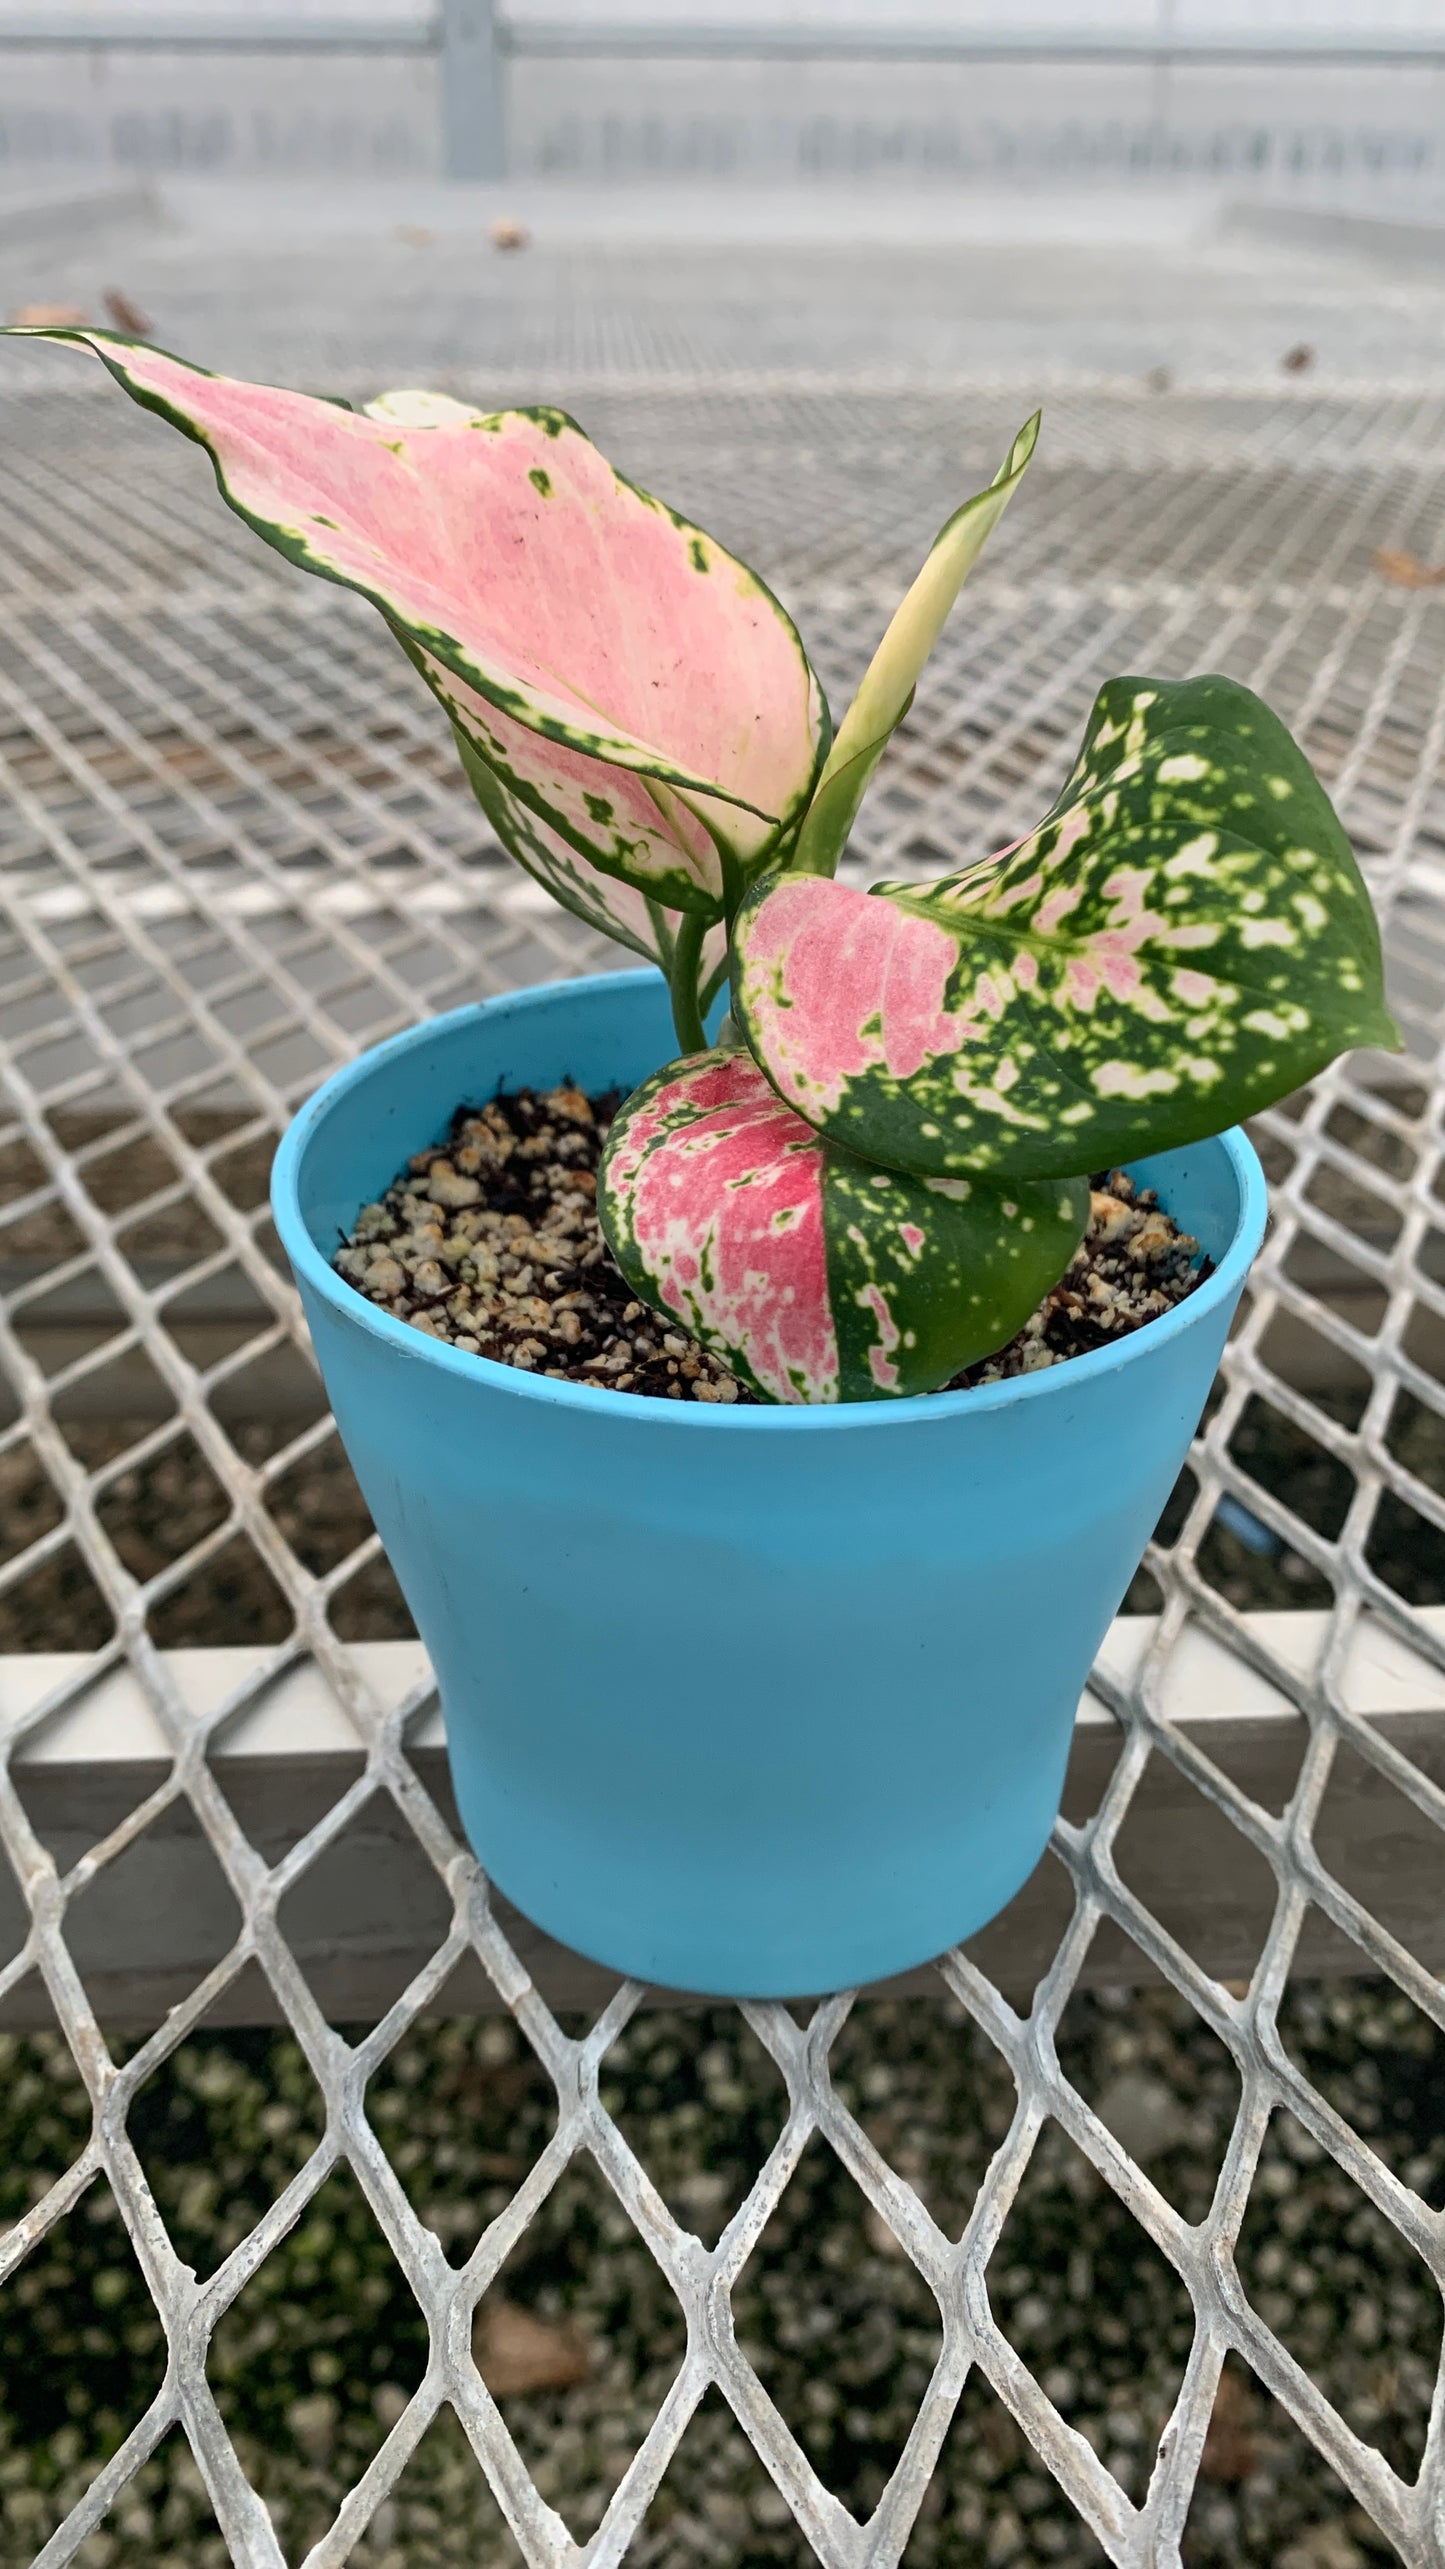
(473,45)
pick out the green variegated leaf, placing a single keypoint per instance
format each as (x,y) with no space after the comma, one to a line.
(894,671)
(634,685)
(815,1276)
(1184,939)
(632,827)
(603,901)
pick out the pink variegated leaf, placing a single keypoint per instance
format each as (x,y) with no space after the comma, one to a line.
(632,827)
(814,1275)
(1184,939)
(634,685)
(614,907)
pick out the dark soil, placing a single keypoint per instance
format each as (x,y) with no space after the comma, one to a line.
(490,1240)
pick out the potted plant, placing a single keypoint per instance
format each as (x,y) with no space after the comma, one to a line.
(767,1694)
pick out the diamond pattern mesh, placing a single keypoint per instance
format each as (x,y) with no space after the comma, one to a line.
(235,848)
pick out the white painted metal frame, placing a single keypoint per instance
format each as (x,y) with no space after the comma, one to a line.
(285,1746)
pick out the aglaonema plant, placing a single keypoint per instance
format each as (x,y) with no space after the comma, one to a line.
(873,1177)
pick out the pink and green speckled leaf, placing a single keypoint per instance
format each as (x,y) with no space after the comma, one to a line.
(1185,938)
(633,684)
(892,674)
(606,902)
(814,1275)
(632,827)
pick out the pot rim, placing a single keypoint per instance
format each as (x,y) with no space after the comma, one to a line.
(715,1417)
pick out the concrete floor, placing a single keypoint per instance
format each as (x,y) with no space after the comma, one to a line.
(896,285)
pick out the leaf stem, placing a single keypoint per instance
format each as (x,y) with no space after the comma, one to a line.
(662,930)
(714,984)
(683,980)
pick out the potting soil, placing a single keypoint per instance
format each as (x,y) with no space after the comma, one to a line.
(490,1240)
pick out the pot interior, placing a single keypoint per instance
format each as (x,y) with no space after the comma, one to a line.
(606,1032)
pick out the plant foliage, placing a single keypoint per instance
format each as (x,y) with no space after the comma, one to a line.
(884,1182)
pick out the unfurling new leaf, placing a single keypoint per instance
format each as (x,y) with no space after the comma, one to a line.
(897,665)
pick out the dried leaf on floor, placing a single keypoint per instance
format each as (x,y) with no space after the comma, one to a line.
(48,316)
(516,2352)
(1406,570)
(1229,2444)
(126,315)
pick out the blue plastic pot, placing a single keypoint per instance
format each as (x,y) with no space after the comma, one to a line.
(752,1701)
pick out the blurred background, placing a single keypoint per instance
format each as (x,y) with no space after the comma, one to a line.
(1272,169)
(1313,97)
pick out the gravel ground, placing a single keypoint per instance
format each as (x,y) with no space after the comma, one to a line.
(490,1240)
(316,2356)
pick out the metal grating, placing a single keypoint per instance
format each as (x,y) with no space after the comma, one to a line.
(235,849)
